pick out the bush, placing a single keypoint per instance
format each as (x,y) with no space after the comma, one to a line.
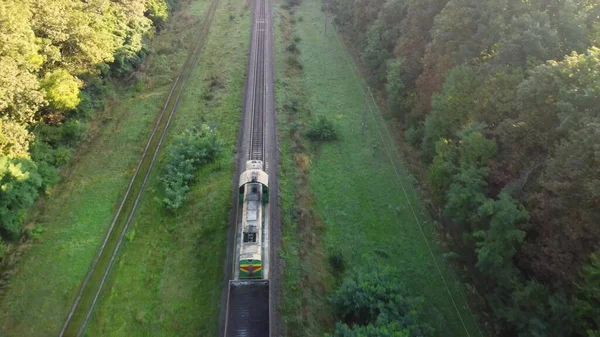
(44,156)
(293,48)
(413,135)
(192,149)
(375,303)
(322,130)
(337,262)
(293,62)
(74,131)
(292,3)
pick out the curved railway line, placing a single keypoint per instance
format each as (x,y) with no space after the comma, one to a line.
(92,285)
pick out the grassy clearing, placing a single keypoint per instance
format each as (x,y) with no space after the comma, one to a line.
(76,215)
(354,190)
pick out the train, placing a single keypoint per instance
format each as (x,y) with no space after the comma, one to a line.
(253,196)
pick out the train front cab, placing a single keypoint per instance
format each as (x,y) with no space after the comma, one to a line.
(251,267)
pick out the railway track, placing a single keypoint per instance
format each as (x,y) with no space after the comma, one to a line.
(92,285)
(259,92)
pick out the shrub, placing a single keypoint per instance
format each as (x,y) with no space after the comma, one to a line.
(322,130)
(293,62)
(413,135)
(73,132)
(44,156)
(62,155)
(292,48)
(371,303)
(292,106)
(192,149)
(93,97)
(337,262)
(292,3)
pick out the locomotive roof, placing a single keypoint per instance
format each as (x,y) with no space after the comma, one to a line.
(254,176)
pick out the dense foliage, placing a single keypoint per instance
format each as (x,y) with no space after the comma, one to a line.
(502,98)
(55,59)
(192,149)
(375,304)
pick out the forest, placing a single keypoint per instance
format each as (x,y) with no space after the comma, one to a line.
(500,99)
(57,59)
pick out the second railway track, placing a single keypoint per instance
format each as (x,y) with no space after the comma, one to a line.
(91,287)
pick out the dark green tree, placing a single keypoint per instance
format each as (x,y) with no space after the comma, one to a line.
(451,108)
(587,301)
(497,245)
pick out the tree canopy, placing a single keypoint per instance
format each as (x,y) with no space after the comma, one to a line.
(54,55)
(502,99)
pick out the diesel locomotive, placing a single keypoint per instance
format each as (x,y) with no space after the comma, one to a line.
(253,195)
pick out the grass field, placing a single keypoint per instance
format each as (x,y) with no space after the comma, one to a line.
(360,202)
(167,280)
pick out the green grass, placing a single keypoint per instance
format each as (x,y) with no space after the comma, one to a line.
(356,191)
(173,261)
(168,279)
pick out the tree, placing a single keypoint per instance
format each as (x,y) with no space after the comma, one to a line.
(451,108)
(528,309)
(20,97)
(498,244)
(442,169)
(61,89)
(132,27)
(566,207)
(529,38)
(19,183)
(381,38)
(76,36)
(14,139)
(587,301)
(467,193)
(464,30)
(157,11)
(456,164)
(414,37)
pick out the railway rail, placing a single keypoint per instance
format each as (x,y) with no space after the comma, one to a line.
(257,67)
(92,285)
